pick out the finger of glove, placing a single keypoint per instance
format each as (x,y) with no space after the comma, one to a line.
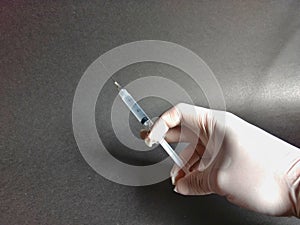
(190,115)
(195,183)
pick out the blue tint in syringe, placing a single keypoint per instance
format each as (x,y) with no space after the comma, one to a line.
(142,117)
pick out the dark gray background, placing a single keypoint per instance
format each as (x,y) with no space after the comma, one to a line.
(251,46)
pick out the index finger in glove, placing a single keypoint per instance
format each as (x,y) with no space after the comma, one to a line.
(189,115)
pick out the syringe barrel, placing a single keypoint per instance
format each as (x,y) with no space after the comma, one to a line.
(139,113)
(134,107)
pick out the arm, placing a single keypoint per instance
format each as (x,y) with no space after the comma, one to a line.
(250,167)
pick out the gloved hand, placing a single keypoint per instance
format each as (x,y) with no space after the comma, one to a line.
(252,168)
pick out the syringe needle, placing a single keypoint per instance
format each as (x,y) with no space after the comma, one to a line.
(117,84)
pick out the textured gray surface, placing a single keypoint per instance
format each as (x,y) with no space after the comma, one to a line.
(252,47)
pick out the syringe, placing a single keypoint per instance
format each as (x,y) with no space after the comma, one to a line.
(139,113)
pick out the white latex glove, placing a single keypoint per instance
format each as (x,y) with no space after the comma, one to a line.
(253,169)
